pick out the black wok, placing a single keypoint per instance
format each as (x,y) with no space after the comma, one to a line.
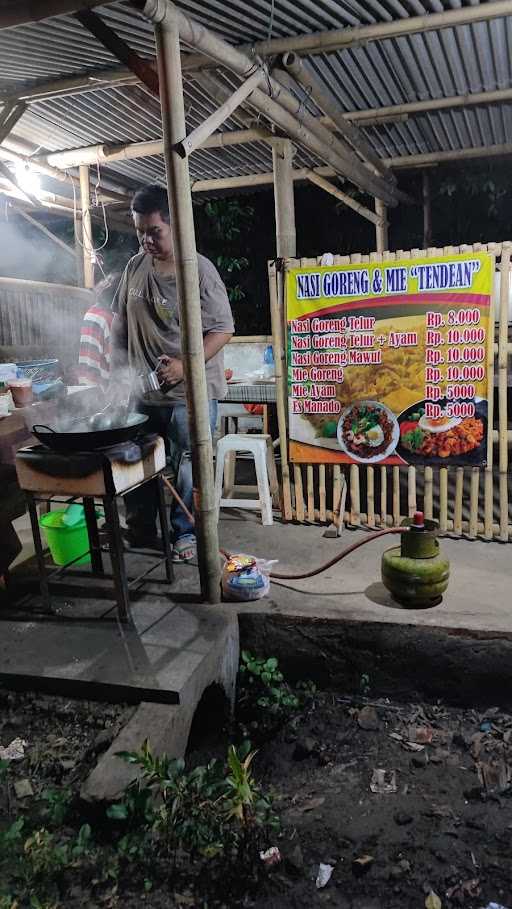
(81,438)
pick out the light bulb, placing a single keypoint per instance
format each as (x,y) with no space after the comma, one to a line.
(27,178)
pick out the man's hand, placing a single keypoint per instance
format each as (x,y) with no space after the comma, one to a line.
(169,370)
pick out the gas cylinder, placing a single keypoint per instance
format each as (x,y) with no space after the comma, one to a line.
(416,573)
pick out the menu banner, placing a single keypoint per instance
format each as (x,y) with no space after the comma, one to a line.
(388,362)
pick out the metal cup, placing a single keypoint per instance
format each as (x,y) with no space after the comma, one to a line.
(149,382)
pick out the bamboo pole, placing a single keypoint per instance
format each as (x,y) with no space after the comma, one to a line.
(311,493)
(459,494)
(443,499)
(381,232)
(503,391)
(322,494)
(87,240)
(427,211)
(396,495)
(488,471)
(198,136)
(412,506)
(286,112)
(336,39)
(282,157)
(474,493)
(355,496)
(370,495)
(315,178)
(48,233)
(281,375)
(383,496)
(319,93)
(284,203)
(187,280)
(405,162)
(55,173)
(105,154)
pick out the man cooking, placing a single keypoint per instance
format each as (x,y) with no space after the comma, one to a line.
(146,336)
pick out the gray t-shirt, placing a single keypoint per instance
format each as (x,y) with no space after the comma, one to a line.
(148,320)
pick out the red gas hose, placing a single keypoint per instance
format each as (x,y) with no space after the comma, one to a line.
(306,574)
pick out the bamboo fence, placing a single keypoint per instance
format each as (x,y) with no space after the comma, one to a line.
(468,502)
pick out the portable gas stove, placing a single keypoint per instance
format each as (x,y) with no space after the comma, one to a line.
(103,475)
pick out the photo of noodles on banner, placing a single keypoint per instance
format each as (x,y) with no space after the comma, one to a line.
(388,363)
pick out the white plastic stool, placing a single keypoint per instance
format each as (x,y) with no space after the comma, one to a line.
(261,448)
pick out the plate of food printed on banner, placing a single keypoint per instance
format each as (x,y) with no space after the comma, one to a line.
(446,439)
(368,431)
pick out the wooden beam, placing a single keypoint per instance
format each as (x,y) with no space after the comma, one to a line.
(9,117)
(87,239)
(187,280)
(328,187)
(107,36)
(48,233)
(19,12)
(323,98)
(197,138)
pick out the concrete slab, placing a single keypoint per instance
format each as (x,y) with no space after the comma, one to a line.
(478,598)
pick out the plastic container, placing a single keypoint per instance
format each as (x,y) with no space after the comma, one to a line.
(65,543)
(38,370)
(21,390)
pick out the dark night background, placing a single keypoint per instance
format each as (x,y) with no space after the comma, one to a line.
(470,204)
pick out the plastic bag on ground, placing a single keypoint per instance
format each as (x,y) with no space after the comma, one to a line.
(246,578)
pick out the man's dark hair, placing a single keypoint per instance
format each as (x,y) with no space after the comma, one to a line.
(152,198)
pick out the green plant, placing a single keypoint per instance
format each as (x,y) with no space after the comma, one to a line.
(364,684)
(57,804)
(265,699)
(202,813)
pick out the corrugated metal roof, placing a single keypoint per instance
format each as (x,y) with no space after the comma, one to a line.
(460,60)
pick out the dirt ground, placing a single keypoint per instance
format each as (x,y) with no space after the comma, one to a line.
(445,825)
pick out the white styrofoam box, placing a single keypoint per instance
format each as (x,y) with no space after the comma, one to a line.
(7,371)
(497,291)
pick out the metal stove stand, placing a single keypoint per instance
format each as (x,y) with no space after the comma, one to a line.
(94,476)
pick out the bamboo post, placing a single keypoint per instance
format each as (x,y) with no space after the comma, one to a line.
(459,496)
(474,493)
(428,495)
(443,499)
(381,230)
(281,374)
(396,496)
(383,496)
(355,495)
(370,495)
(311,493)
(187,279)
(502,392)
(87,241)
(322,494)
(284,202)
(427,211)
(488,472)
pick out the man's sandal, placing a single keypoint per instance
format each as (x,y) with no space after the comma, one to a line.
(184,549)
